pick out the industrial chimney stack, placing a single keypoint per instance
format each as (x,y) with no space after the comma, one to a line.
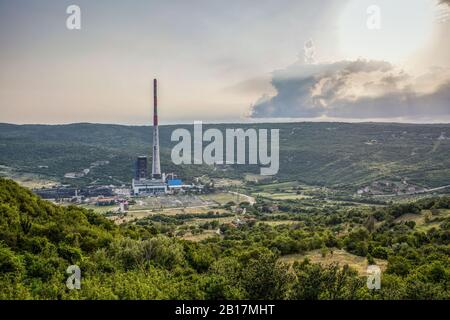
(156,167)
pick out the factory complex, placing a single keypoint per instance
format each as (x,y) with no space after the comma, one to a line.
(144,183)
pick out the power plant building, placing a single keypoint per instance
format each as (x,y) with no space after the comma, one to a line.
(141,183)
(156,182)
(149,186)
(140,171)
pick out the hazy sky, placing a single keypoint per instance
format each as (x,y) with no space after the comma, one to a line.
(224,60)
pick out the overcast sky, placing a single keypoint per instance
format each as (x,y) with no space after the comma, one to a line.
(224,61)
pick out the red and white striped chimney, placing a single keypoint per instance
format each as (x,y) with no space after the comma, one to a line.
(156,167)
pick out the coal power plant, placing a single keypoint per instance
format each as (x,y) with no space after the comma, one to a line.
(157,182)
(144,182)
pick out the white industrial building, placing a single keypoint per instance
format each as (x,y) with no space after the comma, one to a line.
(149,186)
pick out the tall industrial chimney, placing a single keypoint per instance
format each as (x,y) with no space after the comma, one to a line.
(156,167)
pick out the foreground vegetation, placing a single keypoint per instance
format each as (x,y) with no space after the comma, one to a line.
(146,260)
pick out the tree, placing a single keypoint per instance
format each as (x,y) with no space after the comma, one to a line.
(398,265)
(263,277)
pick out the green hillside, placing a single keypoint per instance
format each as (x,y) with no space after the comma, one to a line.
(328,154)
(39,240)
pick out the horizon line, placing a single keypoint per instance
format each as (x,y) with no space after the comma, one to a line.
(246,122)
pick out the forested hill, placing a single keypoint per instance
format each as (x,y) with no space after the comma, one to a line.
(39,241)
(314,153)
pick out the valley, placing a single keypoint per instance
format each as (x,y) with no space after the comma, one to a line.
(347,196)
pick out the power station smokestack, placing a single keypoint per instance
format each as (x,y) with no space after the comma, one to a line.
(156,167)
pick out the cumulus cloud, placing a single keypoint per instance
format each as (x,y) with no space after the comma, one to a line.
(355,89)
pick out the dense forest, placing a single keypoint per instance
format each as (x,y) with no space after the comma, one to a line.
(39,240)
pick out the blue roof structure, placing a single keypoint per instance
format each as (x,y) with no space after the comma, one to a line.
(175,182)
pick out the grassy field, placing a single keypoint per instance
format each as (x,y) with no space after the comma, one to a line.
(281,196)
(100,209)
(27,180)
(280,185)
(170,206)
(199,237)
(291,190)
(340,256)
(219,198)
(169,201)
(141,214)
(223,183)
(256,177)
(221,220)
(426,220)
(279,222)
